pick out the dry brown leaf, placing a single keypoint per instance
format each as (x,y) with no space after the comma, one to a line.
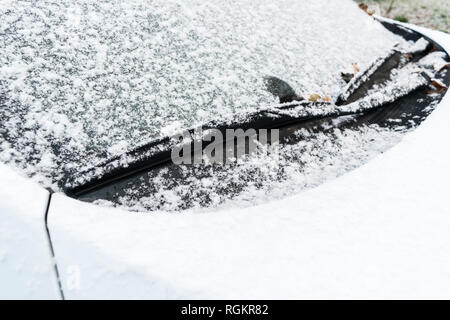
(327,98)
(365,8)
(438,84)
(355,67)
(440,87)
(314,97)
(439,91)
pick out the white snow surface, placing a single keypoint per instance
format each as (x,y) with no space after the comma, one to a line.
(26,263)
(89,79)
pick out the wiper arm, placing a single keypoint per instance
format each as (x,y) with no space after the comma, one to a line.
(158,152)
(354,100)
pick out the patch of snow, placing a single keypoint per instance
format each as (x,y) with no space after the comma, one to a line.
(26,263)
(434,59)
(419,46)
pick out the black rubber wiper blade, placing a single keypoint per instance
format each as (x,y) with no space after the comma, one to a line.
(354,100)
(158,152)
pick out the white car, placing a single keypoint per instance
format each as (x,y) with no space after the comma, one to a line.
(352,203)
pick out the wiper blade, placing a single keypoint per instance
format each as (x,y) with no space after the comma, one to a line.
(354,100)
(158,152)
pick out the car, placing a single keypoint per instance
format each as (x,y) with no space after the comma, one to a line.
(108,191)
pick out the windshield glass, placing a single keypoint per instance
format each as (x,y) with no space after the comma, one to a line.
(84,80)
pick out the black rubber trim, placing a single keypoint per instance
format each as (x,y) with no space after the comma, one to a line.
(52,251)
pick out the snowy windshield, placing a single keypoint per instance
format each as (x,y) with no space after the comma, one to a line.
(83,80)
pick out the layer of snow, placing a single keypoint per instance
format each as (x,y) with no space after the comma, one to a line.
(26,263)
(271,174)
(81,81)
(319,154)
(380,231)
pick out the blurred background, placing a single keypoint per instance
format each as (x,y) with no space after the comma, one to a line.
(433,14)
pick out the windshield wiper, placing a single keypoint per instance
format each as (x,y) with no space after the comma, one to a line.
(353,100)
(148,156)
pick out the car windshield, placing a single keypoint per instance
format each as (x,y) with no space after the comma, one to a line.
(84,80)
(85,86)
